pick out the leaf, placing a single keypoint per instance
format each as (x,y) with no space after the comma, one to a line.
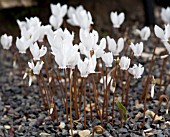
(122,108)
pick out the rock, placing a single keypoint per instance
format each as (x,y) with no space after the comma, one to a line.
(7,127)
(62,125)
(84,133)
(123,130)
(44,134)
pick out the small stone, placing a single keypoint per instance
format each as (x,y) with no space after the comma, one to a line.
(44,134)
(149,134)
(64,132)
(62,125)
(123,130)
(79,127)
(7,127)
(84,133)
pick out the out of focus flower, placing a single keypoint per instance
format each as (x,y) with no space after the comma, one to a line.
(79,17)
(144,33)
(137,48)
(113,47)
(88,41)
(107,59)
(22,44)
(58,12)
(163,35)
(36,68)
(32,30)
(167,46)
(100,48)
(6,41)
(136,71)
(124,63)
(165,15)
(116,19)
(36,52)
(87,66)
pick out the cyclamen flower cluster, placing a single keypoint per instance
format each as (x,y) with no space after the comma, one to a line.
(67,54)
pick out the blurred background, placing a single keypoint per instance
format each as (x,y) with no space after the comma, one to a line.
(137,11)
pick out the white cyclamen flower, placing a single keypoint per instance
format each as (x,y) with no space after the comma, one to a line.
(137,48)
(144,33)
(58,12)
(100,48)
(136,71)
(88,41)
(22,44)
(113,47)
(36,68)
(36,52)
(6,41)
(87,66)
(163,35)
(108,59)
(124,63)
(116,19)
(165,15)
(79,17)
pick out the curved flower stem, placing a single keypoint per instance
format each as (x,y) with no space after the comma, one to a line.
(91,110)
(84,89)
(123,87)
(46,90)
(75,93)
(95,98)
(145,90)
(46,105)
(65,80)
(115,80)
(161,98)
(71,119)
(161,75)
(57,77)
(128,81)
(127,89)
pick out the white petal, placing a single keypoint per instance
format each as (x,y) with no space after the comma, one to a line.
(159,32)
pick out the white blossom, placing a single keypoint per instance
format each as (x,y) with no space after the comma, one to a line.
(87,66)
(88,41)
(136,71)
(36,52)
(124,63)
(6,41)
(108,59)
(58,12)
(165,15)
(116,19)
(113,47)
(163,35)
(22,44)
(100,48)
(137,48)
(144,33)
(79,17)
(36,68)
